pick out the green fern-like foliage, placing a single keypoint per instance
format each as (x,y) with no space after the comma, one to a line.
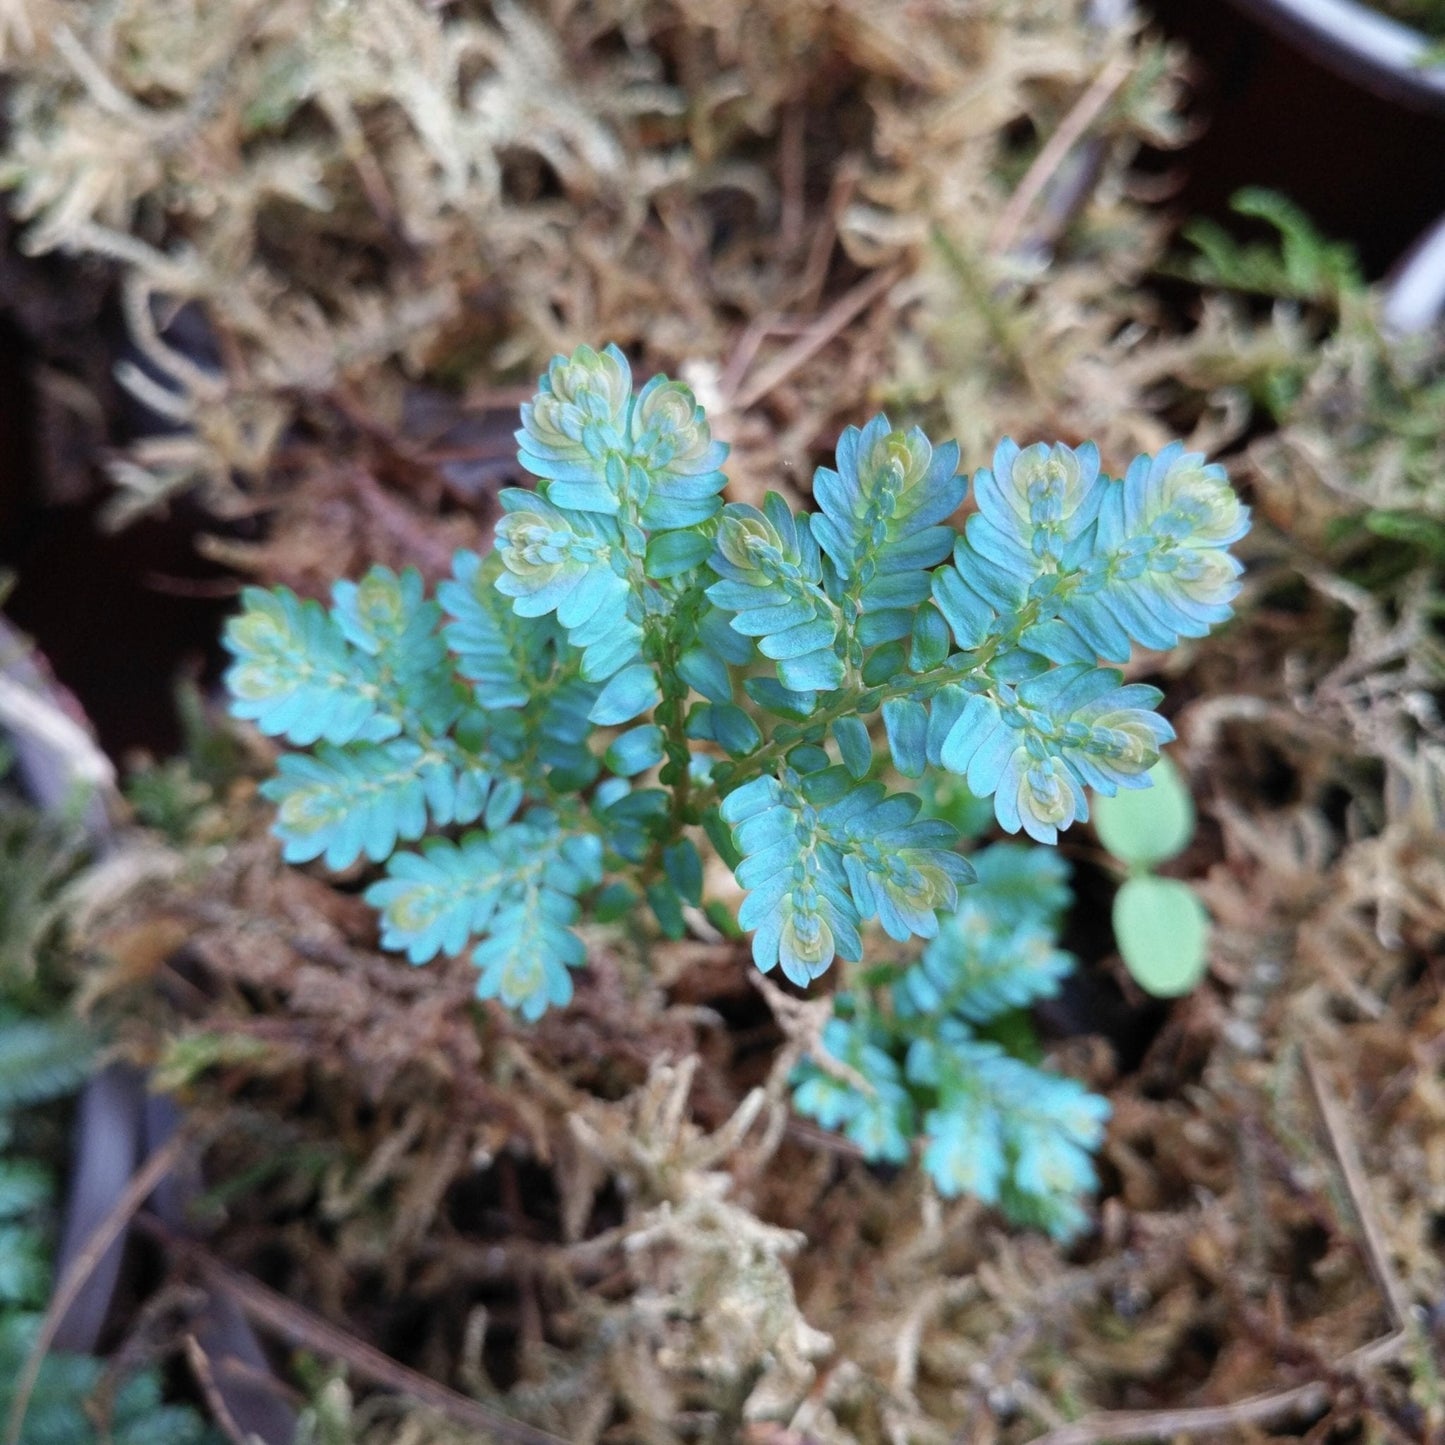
(40,1059)
(1301,265)
(62,1408)
(925,1054)
(637,663)
(44,1058)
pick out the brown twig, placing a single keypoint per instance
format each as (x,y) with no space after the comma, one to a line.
(1352,1169)
(825,236)
(1121,1425)
(283,1317)
(1070,131)
(143,1182)
(200,1363)
(818,335)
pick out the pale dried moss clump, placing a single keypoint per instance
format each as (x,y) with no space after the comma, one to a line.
(361,194)
(809,211)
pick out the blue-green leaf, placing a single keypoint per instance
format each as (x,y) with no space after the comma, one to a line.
(345,803)
(629,693)
(506,797)
(519,885)
(854,744)
(669,554)
(906,722)
(929,645)
(683,865)
(294,675)
(635,751)
(666,905)
(501,653)
(573,564)
(770,575)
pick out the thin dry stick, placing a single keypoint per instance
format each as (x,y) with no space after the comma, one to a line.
(142,1184)
(825,236)
(817,336)
(1352,1168)
(1071,130)
(1121,1425)
(200,1363)
(274,1312)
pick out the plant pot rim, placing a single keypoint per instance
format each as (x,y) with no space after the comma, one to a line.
(1360,44)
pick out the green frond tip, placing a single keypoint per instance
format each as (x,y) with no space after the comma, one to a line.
(574,565)
(41,1059)
(516,887)
(346,803)
(880,521)
(294,675)
(771,578)
(600,449)
(822,853)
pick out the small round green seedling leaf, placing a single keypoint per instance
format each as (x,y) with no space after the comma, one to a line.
(1145,826)
(1163,934)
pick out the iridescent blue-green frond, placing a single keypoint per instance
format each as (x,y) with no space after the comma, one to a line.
(434,901)
(600,449)
(798,900)
(525,963)
(671,447)
(1057,1125)
(880,521)
(389,618)
(526,960)
(770,573)
(1159,568)
(1016,882)
(503,655)
(1006,1132)
(518,885)
(572,564)
(964,1153)
(880,1119)
(900,870)
(1178,495)
(822,852)
(346,802)
(1034,747)
(980,966)
(387,614)
(975,594)
(295,676)
(994,747)
(1035,502)
(575,423)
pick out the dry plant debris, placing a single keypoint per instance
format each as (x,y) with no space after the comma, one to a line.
(386,215)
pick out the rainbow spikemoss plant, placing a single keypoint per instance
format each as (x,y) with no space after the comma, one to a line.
(638,668)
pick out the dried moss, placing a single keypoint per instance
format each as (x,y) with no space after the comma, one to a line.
(388,214)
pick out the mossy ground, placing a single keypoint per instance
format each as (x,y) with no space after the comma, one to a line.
(387,216)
